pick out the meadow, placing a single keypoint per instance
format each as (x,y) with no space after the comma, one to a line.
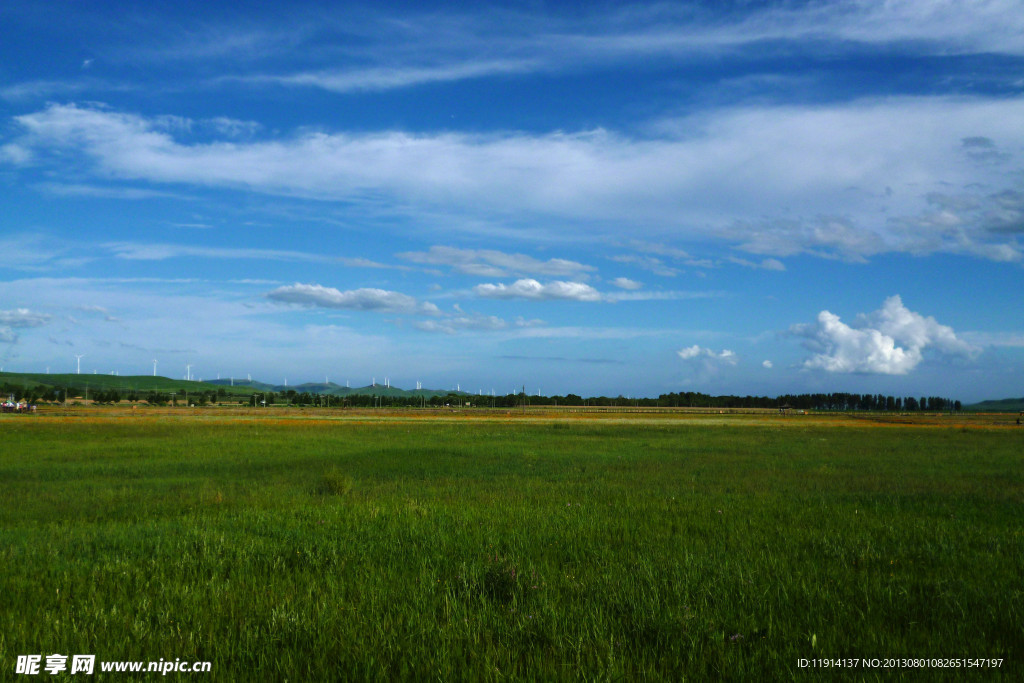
(296,546)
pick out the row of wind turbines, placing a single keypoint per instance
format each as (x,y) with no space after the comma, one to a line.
(188,376)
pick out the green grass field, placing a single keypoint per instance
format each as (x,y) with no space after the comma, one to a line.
(697,547)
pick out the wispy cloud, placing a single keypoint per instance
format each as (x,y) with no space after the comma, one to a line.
(36,252)
(443,47)
(626,283)
(388,78)
(459,323)
(160,252)
(685,182)
(664,295)
(44,89)
(765,264)
(105,192)
(492,263)
(23,317)
(1006,339)
(19,318)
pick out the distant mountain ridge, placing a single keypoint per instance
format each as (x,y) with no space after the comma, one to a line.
(1002,405)
(333,389)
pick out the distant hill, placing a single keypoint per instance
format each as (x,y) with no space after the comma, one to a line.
(380,390)
(370,390)
(139,383)
(242,385)
(234,387)
(1003,405)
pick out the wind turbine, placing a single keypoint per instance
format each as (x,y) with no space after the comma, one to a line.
(154,367)
(188,371)
(78,360)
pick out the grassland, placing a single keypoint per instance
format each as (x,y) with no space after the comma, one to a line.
(545,547)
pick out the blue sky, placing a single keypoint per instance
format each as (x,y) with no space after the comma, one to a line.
(614,198)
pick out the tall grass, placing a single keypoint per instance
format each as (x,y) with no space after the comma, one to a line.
(493,550)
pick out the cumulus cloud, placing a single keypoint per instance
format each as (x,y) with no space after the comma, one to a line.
(493,263)
(695,352)
(890,341)
(532,289)
(365,299)
(767,365)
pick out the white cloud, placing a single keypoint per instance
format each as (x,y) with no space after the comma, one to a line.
(765,264)
(492,263)
(19,318)
(890,341)
(660,249)
(532,289)
(767,365)
(463,46)
(159,252)
(220,321)
(1008,339)
(387,78)
(650,263)
(695,352)
(475,322)
(626,283)
(849,180)
(80,190)
(664,295)
(23,317)
(918,26)
(15,154)
(365,299)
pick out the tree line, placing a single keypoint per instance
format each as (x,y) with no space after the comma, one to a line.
(50,394)
(819,401)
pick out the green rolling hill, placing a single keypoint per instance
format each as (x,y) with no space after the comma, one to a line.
(1004,405)
(236,387)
